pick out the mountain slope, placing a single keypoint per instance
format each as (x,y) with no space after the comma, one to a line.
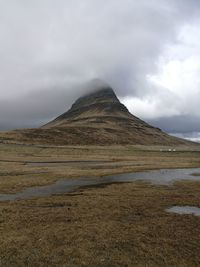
(97,118)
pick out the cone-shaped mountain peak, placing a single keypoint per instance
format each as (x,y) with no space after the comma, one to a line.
(98,92)
(100,103)
(98,117)
(101,95)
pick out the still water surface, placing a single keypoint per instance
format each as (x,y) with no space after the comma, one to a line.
(185,210)
(156,177)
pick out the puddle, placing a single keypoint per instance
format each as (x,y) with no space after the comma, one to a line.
(156,177)
(185,210)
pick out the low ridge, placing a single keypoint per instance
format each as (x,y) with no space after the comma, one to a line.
(97,118)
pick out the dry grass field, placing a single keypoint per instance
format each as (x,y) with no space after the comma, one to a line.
(115,225)
(22,166)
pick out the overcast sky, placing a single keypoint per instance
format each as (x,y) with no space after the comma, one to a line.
(147,50)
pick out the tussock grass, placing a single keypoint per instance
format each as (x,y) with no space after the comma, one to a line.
(114,225)
(196,174)
(117,225)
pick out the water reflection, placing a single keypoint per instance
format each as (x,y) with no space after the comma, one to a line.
(184,210)
(156,177)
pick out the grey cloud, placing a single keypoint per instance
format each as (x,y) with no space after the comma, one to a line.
(192,136)
(177,124)
(48,48)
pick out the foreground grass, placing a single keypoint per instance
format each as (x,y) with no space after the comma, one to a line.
(116,225)
(119,225)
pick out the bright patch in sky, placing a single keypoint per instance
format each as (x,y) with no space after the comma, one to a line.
(176,85)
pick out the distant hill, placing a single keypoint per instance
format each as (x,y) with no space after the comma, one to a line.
(97,118)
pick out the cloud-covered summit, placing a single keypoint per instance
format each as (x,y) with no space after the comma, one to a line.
(148,51)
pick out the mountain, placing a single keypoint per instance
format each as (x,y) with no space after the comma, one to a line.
(97,118)
(101,107)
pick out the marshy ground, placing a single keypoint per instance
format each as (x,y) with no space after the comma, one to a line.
(114,225)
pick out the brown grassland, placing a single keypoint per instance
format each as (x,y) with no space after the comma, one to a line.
(115,225)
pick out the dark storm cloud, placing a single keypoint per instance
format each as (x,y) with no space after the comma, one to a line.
(48,48)
(192,136)
(177,124)
(183,126)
